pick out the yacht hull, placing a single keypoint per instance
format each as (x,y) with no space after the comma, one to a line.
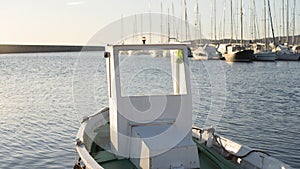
(240,56)
(205,58)
(289,56)
(264,56)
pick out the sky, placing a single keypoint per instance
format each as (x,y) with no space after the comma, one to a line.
(77,21)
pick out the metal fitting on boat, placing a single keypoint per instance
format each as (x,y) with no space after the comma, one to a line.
(106,54)
(78,142)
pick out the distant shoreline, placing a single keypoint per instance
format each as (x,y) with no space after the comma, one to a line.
(6,49)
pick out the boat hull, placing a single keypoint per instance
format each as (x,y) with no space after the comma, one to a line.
(205,58)
(200,58)
(206,53)
(240,56)
(86,137)
(264,56)
(93,148)
(289,56)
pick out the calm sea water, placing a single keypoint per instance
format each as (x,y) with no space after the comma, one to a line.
(43,98)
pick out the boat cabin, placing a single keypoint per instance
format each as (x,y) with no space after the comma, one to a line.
(258,47)
(234,47)
(283,49)
(230,48)
(150,105)
(222,48)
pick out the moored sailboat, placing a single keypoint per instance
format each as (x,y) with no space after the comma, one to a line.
(237,52)
(206,52)
(264,56)
(260,54)
(262,51)
(296,49)
(284,53)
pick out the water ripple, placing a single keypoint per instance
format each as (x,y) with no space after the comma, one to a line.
(39,119)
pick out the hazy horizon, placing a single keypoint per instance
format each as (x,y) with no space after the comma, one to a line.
(75,22)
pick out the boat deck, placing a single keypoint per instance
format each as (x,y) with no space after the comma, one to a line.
(208,159)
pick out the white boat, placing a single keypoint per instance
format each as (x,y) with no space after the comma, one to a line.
(154,131)
(200,54)
(206,52)
(261,54)
(237,53)
(296,49)
(264,56)
(284,53)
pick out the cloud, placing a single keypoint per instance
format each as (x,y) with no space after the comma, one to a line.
(73,3)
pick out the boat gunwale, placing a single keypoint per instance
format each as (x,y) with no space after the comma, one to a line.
(91,163)
(80,146)
(250,152)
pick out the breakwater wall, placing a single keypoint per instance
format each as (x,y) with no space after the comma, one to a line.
(46,48)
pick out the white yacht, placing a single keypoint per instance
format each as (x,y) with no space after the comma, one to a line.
(206,52)
(235,52)
(284,53)
(296,49)
(261,54)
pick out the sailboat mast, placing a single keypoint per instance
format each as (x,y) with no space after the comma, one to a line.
(265,23)
(185,20)
(242,33)
(255,29)
(251,17)
(271,20)
(294,21)
(231,22)
(196,21)
(161,22)
(174,23)
(215,18)
(122,29)
(200,28)
(283,21)
(252,20)
(278,17)
(287,21)
(150,22)
(237,21)
(169,29)
(224,21)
